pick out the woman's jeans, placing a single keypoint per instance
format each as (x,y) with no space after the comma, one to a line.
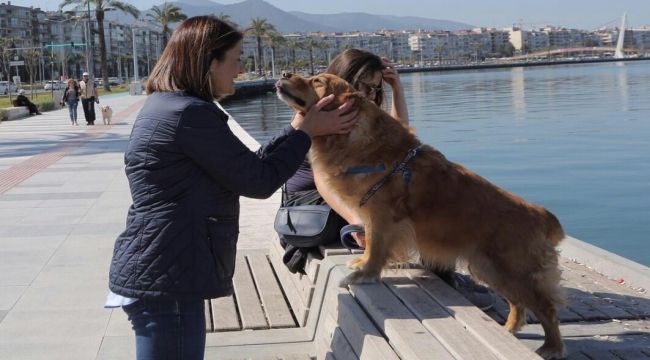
(168,329)
(72,109)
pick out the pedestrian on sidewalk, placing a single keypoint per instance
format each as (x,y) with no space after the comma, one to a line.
(186,171)
(88,97)
(22,100)
(71,96)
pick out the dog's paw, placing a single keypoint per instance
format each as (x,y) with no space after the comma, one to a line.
(356,263)
(358,277)
(550,353)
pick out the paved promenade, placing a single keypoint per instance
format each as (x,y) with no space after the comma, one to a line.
(63,201)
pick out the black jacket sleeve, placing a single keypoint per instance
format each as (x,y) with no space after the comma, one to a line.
(206,138)
(275,141)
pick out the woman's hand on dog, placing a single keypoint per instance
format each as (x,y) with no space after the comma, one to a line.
(319,122)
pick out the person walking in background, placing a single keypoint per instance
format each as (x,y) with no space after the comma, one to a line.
(71,96)
(186,172)
(22,100)
(88,98)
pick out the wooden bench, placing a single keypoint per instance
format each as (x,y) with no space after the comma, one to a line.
(410,314)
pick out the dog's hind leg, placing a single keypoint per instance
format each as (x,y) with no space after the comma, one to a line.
(544,309)
(516,317)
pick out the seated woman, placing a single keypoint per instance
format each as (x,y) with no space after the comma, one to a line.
(367,73)
(22,100)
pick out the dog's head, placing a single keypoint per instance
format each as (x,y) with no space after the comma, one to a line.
(105,108)
(301,93)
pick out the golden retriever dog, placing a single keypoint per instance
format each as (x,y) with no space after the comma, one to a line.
(438,208)
(107,114)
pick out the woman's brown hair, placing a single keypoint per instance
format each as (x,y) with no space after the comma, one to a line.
(353,65)
(185,62)
(73,81)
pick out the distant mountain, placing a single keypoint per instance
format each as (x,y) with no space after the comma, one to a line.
(295,21)
(369,22)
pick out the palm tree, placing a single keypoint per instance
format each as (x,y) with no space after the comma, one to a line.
(260,28)
(312,43)
(226,18)
(294,45)
(164,15)
(101,7)
(275,40)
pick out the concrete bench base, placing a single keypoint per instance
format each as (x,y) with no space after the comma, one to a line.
(15,112)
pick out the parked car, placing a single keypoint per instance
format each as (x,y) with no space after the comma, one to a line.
(113,81)
(6,87)
(54,85)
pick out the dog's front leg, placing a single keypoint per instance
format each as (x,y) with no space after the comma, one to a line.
(373,260)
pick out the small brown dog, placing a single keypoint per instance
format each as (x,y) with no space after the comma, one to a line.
(433,206)
(107,114)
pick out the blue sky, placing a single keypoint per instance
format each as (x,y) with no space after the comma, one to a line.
(583,14)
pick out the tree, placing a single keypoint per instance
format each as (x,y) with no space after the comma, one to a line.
(226,18)
(507,50)
(164,15)
(310,44)
(260,28)
(293,45)
(32,58)
(6,46)
(101,7)
(275,40)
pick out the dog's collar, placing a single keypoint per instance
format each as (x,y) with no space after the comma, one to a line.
(401,167)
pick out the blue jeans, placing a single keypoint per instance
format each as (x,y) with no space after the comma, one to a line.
(72,109)
(168,329)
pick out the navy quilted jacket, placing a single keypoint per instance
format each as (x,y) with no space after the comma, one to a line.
(186,171)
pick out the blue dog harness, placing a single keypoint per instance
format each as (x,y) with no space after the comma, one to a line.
(399,168)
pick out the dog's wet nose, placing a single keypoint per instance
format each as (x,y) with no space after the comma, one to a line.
(287,75)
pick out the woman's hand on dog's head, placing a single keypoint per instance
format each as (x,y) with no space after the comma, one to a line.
(319,122)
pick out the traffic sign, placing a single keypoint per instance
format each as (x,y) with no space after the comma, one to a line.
(17,63)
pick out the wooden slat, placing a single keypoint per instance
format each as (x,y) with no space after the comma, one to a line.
(452,334)
(579,307)
(577,356)
(615,305)
(590,329)
(366,340)
(299,307)
(406,334)
(620,295)
(337,340)
(600,355)
(487,331)
(248,303)
(208,316)
(224,314)
(632,354)
(296,357)
(275,307)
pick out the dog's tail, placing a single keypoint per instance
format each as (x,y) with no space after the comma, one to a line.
(554,231)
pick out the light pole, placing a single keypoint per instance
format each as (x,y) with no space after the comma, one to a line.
(89,60)
(135,56)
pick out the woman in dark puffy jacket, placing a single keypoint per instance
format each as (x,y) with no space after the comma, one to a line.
(186,171)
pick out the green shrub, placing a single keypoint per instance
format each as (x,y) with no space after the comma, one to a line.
(3,115)
(46,105)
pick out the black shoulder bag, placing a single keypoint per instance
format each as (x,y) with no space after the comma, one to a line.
(306,225)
